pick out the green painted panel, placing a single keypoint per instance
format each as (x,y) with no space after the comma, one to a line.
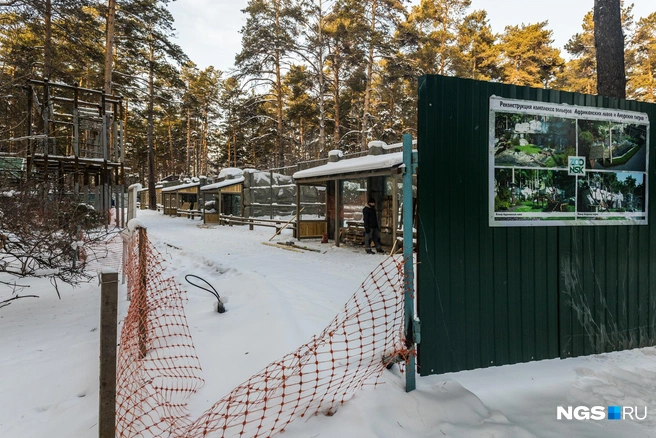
(492,296)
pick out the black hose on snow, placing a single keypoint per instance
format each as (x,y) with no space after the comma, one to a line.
(220,307)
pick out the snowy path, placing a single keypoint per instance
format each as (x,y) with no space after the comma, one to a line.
(277,300)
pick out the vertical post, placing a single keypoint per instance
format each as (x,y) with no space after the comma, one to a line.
(271,194)
(395,209)
(337,218)
(408,264)
(107,392)
(297,228)
(219,203)
(30,142)
(142,298)
(76,124)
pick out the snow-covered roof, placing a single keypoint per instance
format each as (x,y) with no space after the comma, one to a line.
(373,143)
(352,165)
(234,171)
(397,145)
(221,184)
(180,187)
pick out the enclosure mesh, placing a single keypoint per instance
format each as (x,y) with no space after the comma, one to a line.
(158,368)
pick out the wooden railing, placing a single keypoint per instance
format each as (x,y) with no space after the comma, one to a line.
(252,222)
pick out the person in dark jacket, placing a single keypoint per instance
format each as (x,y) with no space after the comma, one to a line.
(371,230)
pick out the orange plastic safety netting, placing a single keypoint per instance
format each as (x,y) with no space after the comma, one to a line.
(159,370)
(157,366)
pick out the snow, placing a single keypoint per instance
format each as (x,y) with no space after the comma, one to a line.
(135,223)
(376,143)
(277,301)
(398,145)
(335,153)
(181,186)
(232,171)
(222,184)
(358,164)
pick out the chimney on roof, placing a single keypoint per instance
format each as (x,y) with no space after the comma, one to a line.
(334,156)
(377,147)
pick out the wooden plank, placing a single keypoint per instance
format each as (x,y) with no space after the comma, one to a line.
(286,248)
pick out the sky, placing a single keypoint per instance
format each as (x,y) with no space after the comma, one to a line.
(208,30)
(277,300)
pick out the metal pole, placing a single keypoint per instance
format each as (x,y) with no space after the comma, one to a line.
(408,265)
(107,392)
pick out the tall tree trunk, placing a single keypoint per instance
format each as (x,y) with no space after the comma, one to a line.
(152,196)
(322,87)
(609,46)
(171,160)
(370,69)
(187,168)
(336,134)
(279,142)
(109,45)
(234,141)
(47,45)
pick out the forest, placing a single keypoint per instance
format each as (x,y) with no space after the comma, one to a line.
(311,76)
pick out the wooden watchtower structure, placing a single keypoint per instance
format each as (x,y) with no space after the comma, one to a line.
(75,143)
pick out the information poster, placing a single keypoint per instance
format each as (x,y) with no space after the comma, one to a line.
(558,164)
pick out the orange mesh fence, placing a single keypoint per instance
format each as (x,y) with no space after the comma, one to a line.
(157,367)
(153,387)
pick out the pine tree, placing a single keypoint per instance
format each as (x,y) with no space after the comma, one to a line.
(527,55)
(434,26)
(580,72)
(477,54)
(268,39)
(642,83)
(343,35)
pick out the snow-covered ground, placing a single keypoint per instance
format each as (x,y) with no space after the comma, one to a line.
(277,300)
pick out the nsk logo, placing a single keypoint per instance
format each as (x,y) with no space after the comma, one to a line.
(599,413)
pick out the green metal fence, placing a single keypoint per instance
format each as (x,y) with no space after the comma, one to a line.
(491,296)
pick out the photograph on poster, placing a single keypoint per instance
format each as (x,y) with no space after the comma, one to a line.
(527,140)
(610,192)
(559,164)
(528,193)
(613,146)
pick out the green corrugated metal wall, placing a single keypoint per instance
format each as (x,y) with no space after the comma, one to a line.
(493,296)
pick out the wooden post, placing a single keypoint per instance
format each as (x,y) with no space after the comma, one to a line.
(297,230)
(395,209)
(142,298)
(271,194)
(220,207)
(107,392)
